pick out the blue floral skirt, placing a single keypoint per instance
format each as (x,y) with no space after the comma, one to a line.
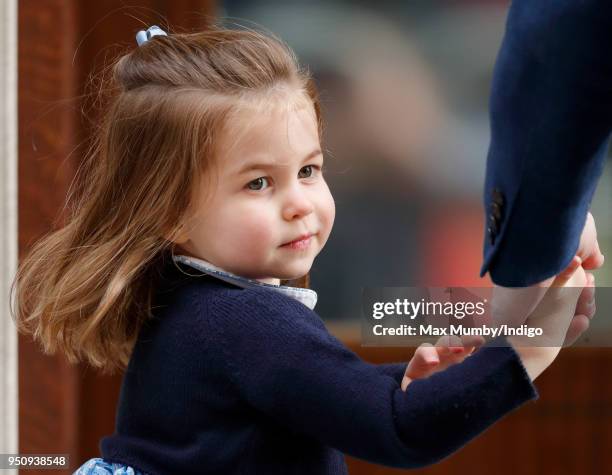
(98,466)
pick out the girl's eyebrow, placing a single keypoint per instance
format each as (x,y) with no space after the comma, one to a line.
(252,166)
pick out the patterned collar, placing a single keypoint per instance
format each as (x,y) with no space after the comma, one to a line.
(307,296)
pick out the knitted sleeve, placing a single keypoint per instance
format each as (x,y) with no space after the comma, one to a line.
(285,364)
(395,370)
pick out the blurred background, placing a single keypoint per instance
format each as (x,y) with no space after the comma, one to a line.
(404,88)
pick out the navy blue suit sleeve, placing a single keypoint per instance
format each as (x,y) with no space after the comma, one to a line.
(283,362)
(551,115)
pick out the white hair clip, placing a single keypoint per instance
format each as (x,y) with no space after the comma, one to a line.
(144,36)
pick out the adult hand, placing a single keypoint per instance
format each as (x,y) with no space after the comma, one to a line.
(588,249)
(512,305)
(592,258)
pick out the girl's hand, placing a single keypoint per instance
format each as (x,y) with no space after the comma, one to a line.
(559,307)
(428,359)
(555,314)
(584,313)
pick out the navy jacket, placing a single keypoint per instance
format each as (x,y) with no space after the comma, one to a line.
(551,115)
(233,379)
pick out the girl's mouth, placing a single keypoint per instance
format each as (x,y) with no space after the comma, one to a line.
(298,244)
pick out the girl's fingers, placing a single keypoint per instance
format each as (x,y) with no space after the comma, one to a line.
(586,300)
(421,365)
(456,351)
(449,344)
(472,341)
(585,310)
(578,325)
(429,359)
(425,357)
(458,346)
(405,382)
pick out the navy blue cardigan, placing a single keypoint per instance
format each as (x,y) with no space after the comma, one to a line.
(231,380)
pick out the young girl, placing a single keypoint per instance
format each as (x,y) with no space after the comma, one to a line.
(186,259)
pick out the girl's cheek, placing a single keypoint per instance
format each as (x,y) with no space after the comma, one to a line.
(255,230)
(329,214)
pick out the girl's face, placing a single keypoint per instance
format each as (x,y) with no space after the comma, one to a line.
(270,191)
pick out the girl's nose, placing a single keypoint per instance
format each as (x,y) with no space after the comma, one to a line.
(297,204)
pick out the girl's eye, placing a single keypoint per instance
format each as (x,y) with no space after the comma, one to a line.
(310,167)
(256,185)
(257,182)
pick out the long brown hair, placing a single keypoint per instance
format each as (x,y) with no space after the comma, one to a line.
(86,288)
